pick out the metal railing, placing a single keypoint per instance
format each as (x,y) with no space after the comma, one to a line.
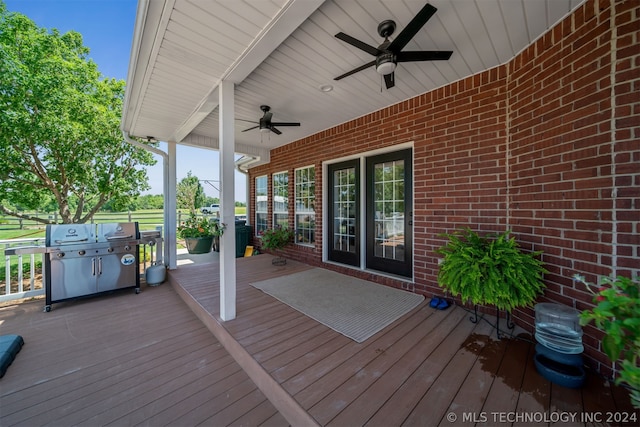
(24,275)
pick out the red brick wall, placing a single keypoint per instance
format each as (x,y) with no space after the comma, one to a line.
(546,145)
(574,152)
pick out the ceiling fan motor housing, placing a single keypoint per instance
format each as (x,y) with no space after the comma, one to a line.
(386,28)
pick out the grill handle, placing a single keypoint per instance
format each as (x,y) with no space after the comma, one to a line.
(119,237)
(71,241)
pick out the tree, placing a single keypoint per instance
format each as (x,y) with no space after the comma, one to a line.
(149,201)
(190,194)
(59,127)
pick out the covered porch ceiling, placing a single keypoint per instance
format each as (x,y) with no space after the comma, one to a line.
(282,52)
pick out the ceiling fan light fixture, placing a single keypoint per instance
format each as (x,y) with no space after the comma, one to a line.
(265,130)
(385,63)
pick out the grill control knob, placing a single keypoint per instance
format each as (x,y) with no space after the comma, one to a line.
(110,250)
(127,248)
(81,252)
(60,254)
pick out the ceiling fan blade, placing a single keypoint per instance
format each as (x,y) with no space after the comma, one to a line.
(274,130)
(359,44)
(390,80)
(355,70)
(412,28)
(245,120)
(255,127)
(285,124)
(423,55)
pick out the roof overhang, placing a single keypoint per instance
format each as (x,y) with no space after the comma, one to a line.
(282,52)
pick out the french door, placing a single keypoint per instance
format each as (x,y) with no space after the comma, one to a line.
(386,237)
(344,212)
(389,213)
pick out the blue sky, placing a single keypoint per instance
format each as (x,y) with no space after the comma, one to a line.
(107,30)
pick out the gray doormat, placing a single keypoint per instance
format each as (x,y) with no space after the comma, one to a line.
(353,307)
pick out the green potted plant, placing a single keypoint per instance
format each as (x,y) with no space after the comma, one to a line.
(617,313)
(490,270)
(199,233)
(275,239)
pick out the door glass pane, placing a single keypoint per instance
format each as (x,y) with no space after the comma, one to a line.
(389,204)
(344,210)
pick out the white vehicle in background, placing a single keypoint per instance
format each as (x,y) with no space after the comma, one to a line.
(211,209)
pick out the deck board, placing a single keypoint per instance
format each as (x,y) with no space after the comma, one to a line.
(448,366)
(425,337)
(410,379)
(535,399)
(500,398)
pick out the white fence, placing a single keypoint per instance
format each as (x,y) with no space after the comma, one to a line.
(22,287)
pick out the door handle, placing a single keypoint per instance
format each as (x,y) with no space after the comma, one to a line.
(100,266)
(93,266)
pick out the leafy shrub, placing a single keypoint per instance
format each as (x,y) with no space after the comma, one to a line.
(490,270)
(276,238)
(196,226)
(617,313)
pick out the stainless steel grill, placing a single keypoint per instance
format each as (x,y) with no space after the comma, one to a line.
(85,259)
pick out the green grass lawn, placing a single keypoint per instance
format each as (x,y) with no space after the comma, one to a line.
(147,220)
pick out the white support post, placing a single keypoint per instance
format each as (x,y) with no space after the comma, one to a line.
(227,201)
(170,221)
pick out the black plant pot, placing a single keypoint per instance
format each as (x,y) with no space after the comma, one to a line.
(199,245)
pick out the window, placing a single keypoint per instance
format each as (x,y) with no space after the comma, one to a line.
(305,198)
(261,204)
(281,199)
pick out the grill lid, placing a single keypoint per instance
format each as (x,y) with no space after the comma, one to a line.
(69,234)
(117,231)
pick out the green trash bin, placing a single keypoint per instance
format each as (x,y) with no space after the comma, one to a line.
(243,235)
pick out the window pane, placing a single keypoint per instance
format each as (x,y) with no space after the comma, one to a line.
(344,194)
(281,220)
(281,199)
(389,205)
(261,204)
(261,222)
(305,205)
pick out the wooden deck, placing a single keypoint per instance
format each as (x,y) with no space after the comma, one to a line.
(126,359)
(428,368)
(123,359)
